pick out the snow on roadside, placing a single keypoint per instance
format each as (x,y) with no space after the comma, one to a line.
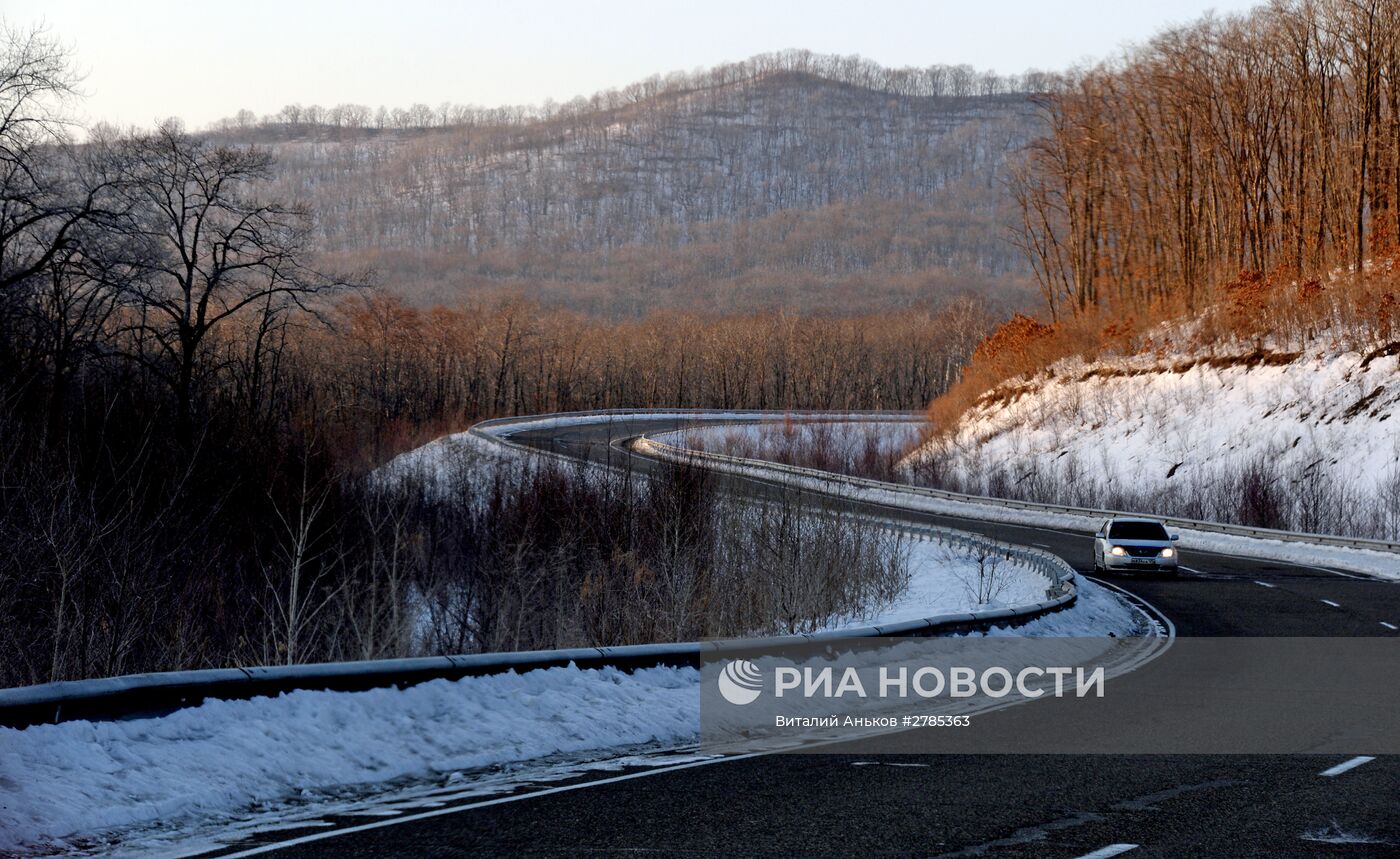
(1381,564)
(770,440)
(451,465)
(942,581)
(1097,611)
(219,762)
(223,757)
(1180,434)
(551,421)
(1147,425)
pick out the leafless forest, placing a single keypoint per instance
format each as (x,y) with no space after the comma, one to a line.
(794,180)
(1240,175)
(207,339)
(1239,180)
(197,370)
(1267,144)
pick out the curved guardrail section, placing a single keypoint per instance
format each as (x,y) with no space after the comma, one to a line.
(153,694)
(986,500)
(663,450)
(146,695)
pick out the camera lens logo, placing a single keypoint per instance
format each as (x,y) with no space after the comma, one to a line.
(740,682)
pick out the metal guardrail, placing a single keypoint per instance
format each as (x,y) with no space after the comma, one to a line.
(137,696)
(141,695)
(664,449)
(147,695)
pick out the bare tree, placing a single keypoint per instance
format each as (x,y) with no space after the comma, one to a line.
(211,250)
(41,200)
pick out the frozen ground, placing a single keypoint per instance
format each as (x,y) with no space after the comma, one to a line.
(1178,436)
(459,465)
(1320,410)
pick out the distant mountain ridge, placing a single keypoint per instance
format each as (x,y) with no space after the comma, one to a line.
(774,183)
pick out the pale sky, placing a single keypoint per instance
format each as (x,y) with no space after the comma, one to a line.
(148,59)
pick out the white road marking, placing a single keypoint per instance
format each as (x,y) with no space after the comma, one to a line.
(1191,570)
(1333,604)
(1110,850)
(1265,584)
(1340,573)
(1389,625)
(1344,766)
(440,812)
(1042,545)
(1145,607)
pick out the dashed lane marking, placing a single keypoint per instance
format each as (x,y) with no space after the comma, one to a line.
(1110,850)
(1389,625)
(1346,766)
(1265,584)
(1332,604)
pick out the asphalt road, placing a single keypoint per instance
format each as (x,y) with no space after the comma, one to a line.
(973,805)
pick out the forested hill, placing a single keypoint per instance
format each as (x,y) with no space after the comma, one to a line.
(811,182)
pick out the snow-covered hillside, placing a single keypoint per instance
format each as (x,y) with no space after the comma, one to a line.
(1302,440)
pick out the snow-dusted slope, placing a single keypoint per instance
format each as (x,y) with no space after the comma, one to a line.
(1312,438)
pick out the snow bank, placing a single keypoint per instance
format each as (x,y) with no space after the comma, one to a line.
(942,581)
(218,759)
(224,760)
(1145,425)
(1097,611)
(1178,436)
(456,465)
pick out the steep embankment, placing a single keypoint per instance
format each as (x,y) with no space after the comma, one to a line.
(1293,439)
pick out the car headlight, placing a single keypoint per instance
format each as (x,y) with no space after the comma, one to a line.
(1118,550)
(1169,552)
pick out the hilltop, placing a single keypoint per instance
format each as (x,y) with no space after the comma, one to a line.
(793,180)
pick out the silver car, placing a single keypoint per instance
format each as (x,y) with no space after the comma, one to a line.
(1134,545)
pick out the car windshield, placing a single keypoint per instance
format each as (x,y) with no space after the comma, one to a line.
(1138,531)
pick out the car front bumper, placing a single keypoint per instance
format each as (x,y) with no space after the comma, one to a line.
(1129,564)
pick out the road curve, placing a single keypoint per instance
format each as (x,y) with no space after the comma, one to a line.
(970,805)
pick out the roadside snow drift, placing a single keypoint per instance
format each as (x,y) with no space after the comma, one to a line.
(226,760)
(81,778)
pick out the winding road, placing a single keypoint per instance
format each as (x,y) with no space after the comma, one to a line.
(966,805)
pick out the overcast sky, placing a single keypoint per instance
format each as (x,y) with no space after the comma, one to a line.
(149,59)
